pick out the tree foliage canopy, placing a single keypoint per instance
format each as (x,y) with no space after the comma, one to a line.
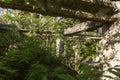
(29,54)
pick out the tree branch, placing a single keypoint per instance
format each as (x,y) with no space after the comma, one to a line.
(46,7)
(82,27)
(91,6)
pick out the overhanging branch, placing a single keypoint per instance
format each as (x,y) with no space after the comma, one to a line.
(91,6)
(47,8)
(82,27)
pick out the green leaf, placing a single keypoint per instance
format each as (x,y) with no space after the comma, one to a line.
(65,77)
(44,78)
(26,1)
(7,1)
(114,71)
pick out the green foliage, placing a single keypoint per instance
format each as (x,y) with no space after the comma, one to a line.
(42,72)
(24,56)
(88,48)
(28,59)
(37,72)
(37,22)
(114,71)
(88,72)
(86,51)
(6,1)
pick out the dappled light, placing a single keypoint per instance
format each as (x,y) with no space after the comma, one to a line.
(59,40)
